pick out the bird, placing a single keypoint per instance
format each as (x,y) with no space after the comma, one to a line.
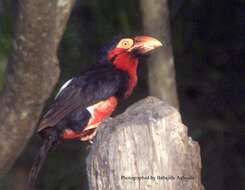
(84,101)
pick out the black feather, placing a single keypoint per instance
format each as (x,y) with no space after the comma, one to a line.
(103,52)
(98,83)
(48,143)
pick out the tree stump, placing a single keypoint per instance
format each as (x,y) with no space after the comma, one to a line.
(145,148)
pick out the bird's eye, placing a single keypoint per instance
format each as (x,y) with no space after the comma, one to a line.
(125,43)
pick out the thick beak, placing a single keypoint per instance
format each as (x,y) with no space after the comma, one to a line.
(144,44)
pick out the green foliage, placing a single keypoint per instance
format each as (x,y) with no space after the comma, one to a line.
(5,29)
(2,69)
(5,36)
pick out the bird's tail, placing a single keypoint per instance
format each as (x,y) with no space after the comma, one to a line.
(39,160)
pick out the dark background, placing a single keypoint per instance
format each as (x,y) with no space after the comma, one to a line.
(209,48)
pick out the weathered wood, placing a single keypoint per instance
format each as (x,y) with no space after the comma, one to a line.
(145,148)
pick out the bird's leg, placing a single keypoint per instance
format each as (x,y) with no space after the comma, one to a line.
(89,136)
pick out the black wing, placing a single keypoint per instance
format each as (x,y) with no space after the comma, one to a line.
(93,86)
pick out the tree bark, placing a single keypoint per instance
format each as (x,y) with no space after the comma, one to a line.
(146,147)
(161,78)
(31,74)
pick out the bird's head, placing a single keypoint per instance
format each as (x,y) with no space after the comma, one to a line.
(124,52)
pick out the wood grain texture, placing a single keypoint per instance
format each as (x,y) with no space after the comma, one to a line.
(146,141)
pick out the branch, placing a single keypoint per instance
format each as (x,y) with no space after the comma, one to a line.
(148,139)
(161,77)
(31,74)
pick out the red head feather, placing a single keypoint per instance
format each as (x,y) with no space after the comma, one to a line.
(125,56)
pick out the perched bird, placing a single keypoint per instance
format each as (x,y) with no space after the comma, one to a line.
(83,102)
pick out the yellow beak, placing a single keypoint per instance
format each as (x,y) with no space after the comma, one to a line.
(144,44)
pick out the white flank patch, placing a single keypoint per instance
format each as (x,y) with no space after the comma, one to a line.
(63,87)
(91,109)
